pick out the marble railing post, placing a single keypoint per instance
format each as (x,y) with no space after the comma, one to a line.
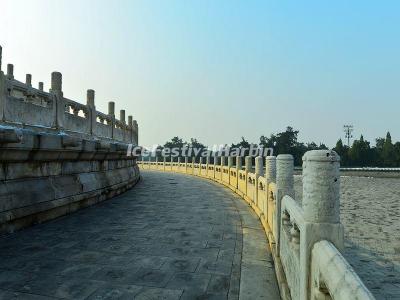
(270,169)
(193,162)
(216,164)
(10,71)
(130,129)
(123,121)
(59,107)
(164,161)
(186,163)
(258,170)
(90,98)
(270,176)
(216,160)
(321,207)
(248,165)
(238,163)
(259,166)
(122,116)
(111,114)
(28,80)
(230,161)
(135,133)
(223,161)
(92,110)
(284,186)
(111,108)
(321,184)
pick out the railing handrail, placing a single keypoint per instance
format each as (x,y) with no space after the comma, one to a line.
(293,208)
(333,275)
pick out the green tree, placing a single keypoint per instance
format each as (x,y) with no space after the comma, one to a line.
(360,153)
(377,152)
(175,143)
(397,153)
(243,144)
(286,141)
(343,152)
(195,144)
(159,155)
(388,152)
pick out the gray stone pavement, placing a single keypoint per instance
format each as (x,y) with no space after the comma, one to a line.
(172,236)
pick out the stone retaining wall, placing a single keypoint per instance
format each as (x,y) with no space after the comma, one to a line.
(47,175)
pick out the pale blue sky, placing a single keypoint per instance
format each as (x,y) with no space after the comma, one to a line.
(218,70)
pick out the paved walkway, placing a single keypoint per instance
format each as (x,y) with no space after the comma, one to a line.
(171,237)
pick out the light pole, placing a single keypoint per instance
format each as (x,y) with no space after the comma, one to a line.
(348,129)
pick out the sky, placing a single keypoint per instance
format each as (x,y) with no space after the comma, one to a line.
(218,70)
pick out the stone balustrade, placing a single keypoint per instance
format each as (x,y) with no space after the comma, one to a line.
(306,239)
(23,106)
(58,155)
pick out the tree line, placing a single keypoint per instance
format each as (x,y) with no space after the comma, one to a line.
(385,153)
(360,154)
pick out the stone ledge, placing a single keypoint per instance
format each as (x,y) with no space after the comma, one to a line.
(35,169)
(41,146)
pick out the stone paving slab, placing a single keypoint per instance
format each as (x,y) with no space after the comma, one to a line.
(171,237)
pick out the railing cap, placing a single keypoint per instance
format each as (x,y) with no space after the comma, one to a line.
(284,157)
(321,155)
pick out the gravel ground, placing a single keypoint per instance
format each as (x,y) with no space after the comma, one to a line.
(370,212)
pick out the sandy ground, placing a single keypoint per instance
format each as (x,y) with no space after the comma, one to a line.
(370,212)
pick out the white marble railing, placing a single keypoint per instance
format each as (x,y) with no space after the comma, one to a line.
(333,277)
(305,239)
(23,106)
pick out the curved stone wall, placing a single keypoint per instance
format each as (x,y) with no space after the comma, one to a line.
(43,176)
(58,155)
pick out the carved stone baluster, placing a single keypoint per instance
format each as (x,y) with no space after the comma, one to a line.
(295,234)
(285,218)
